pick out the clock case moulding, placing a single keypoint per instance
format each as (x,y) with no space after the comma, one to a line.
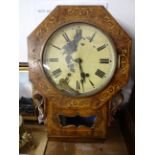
(57,103)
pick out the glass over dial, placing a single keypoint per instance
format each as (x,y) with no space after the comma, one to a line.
(79,59)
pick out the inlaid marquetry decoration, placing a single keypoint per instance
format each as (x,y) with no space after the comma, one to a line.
(79,58)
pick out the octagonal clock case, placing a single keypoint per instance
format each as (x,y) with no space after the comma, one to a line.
(79,58)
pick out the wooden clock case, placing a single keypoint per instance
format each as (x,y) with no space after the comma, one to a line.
(57,104)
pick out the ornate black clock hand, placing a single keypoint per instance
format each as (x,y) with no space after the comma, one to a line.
(82,74)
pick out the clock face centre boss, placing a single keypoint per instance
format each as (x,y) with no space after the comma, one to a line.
(79,59)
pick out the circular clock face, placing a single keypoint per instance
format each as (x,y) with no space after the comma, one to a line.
(79,59)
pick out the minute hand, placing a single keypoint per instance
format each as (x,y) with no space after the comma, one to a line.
(79,61)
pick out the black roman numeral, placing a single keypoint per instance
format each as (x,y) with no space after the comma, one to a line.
(104,61)
(91,39)
(100,73)
(77,85)
(57,72)
(53,59)
(91,83)
(66,37)
(102,47)
(55,47)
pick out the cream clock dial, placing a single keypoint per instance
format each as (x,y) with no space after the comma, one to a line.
(79,59)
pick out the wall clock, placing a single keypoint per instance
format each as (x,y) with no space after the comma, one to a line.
(79,58)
